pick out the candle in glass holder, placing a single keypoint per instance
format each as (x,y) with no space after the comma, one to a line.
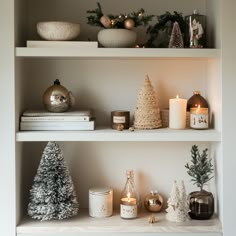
(199,118)
(128,207)
(177,115)
(129,198)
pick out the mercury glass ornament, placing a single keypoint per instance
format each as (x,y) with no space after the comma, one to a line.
(57,98)
(153,202)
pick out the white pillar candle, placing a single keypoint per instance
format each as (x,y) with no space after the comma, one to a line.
(177,116)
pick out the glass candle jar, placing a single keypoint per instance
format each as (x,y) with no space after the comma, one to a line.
(120,118)
(129,198)
(199,118)
(100,202)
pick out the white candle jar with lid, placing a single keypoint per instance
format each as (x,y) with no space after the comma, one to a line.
(100,202)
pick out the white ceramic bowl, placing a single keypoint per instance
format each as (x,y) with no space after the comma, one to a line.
(117,38)
(58,30)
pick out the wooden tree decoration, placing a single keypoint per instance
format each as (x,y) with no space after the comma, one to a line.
(176,39)
(147,113)
(178,208)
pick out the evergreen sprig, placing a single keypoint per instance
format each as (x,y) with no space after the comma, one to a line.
(97,13)
(162,25)
(139,18)
(201,169)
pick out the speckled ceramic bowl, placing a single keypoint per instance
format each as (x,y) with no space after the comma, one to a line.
(58,30)
(117,38)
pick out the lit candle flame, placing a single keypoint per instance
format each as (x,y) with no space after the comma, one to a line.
(177,96)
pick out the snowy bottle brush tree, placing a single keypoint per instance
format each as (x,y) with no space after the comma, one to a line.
(178,208)
(52,196)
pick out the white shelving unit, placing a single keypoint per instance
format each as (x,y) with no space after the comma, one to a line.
(116,53)
(101,157)
(83,224)
(161,135)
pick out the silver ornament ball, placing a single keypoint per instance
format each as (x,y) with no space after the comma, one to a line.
(57,98)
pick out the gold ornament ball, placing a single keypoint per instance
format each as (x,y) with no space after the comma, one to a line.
(105,21)
(153,202)
(129,24)
(57,98)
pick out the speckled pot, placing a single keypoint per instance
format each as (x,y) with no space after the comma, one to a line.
(117,38)
(58,30)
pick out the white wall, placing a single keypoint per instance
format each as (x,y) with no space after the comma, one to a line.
(7,124)
(229,127)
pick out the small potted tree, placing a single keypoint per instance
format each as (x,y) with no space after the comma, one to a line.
(201,202)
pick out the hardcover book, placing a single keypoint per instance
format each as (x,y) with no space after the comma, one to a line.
(54,44)
(58,125)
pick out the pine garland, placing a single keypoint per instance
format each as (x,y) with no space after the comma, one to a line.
(201,169)
(162,25)
(118,21)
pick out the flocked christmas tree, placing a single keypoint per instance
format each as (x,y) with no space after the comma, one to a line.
(147,113)
(52,196)
(178,208)
(176,39)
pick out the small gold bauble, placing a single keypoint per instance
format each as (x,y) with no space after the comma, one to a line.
(131,129)
(120,127)
(153,202)
(129,23)
(152,219)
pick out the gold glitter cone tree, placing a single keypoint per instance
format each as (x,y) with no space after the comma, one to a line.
(147,113)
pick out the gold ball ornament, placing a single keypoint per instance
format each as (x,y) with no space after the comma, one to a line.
(105,21)
(129,24)
(153,202)
(57,98)
(120,127)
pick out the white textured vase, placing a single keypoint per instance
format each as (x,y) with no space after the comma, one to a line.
(117,38)
(58,30)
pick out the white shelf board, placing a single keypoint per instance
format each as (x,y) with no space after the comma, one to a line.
(133,53)
(160,135)
(114,224)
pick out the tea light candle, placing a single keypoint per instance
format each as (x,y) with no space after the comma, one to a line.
(177,116)
(128,207)
(199,118)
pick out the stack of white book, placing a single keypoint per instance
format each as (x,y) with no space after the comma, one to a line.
(71,120)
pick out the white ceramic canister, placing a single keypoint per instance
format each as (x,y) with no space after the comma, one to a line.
(100,202)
